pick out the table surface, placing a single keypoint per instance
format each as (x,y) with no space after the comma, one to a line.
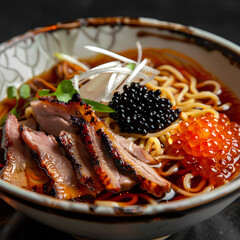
(219,17)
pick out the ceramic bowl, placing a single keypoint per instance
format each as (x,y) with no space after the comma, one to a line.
(32,53)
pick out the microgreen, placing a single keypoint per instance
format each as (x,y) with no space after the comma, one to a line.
(131,66)
(13,93)
(43,92)
(65,91)
(24,91)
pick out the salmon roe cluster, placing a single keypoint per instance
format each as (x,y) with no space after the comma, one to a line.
(211,146)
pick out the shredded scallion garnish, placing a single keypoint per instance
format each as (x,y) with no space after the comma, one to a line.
(63,56)
(123,71)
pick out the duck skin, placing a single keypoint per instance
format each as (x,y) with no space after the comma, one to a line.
(54,116)
(102,163)
(21,170)
(51,158)
(80,159)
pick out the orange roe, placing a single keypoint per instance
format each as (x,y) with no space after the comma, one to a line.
(211,146)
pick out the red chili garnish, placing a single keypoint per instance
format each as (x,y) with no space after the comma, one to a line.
(211,146)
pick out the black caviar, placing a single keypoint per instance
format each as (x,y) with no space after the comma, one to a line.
(141,111)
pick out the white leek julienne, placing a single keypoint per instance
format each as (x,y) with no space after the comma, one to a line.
(75,81)
(103,66)
(124,71)
(110,86)
(121,58)
(63,56)
(109,53)
(106,65)
(114,82)
(86,75)
(139,48)
(107,96)
(134,73)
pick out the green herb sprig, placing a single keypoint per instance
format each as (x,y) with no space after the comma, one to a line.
(65,91)
(12,93)
(98,106)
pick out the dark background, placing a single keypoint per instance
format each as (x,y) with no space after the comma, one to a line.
(221,17)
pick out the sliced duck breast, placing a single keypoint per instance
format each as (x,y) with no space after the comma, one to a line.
(117,165)
(30,122)
(21,170)
(135,150)
(80,159)
(53,116)
(149,179)
(102,163)
(51,158)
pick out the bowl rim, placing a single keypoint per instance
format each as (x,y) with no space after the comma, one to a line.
(80,207)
